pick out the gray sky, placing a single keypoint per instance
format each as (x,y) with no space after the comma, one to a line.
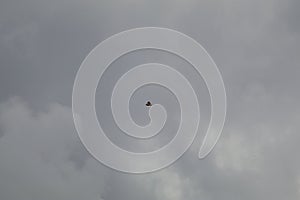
(256,46)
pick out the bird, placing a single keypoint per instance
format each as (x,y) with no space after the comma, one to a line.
(148,104)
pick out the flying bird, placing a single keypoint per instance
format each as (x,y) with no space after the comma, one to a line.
(148,104)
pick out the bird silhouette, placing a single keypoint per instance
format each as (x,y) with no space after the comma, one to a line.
(148,104)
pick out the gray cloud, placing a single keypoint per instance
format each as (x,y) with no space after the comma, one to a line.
(254,43)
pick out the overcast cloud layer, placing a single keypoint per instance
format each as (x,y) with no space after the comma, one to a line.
(256,46)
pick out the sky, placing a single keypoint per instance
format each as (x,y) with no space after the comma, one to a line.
(256,46)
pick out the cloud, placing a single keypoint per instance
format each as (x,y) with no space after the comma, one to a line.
(256,46)
(236,153)
(42,158)
(36,154)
